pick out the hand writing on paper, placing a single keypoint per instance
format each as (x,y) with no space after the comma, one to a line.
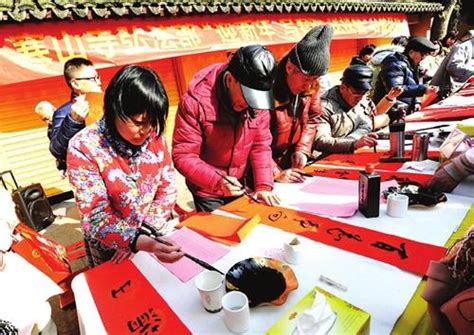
(231,187)
(368,140)
(290,176)
(268,197)
(165,253)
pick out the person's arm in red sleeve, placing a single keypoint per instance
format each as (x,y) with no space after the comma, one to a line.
(261,155)
(261,160)
(304,146)
(187,141)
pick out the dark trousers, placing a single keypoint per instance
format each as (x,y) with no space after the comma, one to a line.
(210,204)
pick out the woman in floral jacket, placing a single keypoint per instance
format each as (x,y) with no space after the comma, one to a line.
(121,171)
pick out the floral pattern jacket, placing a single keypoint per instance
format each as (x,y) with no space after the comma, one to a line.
(117,188)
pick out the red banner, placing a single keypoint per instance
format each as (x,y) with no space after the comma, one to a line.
(128,304)
(403,253)
(353,174)
(36,50)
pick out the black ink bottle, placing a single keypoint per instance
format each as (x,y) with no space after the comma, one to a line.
(369,192)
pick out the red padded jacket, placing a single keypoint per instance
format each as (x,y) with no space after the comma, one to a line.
(209,138)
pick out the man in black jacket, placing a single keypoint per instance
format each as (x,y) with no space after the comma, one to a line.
(69,119)
(400,69)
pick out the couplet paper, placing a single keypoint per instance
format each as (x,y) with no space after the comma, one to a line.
(220,228)
(128,304)
(401,252)
(353,174)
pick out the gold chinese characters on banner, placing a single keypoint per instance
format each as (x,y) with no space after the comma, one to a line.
(42,54)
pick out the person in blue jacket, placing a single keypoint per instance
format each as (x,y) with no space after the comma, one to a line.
(69,119)
(401,69)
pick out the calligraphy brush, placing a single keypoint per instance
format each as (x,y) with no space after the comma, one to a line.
(241,188)
(373,129)
(154,234)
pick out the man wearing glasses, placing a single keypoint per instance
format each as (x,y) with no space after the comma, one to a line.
(69,119)
(345,123)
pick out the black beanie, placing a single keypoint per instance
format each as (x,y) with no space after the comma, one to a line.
(311,54)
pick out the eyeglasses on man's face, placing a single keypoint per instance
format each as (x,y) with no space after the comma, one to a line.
(357,93)
(95,79)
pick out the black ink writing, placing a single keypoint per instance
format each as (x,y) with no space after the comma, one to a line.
(146,323)
(121,289)
(387,247)
(306,223)
(340,233)
(276,216)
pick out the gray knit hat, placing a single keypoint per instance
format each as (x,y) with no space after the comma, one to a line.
(311,54)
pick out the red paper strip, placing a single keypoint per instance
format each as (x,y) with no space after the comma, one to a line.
(127,302)
(361,159)
(403,253)
(353,174)
(444,114)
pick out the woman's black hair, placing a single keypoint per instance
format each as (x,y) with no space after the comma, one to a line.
(132,91)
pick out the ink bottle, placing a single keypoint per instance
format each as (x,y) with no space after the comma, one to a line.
(369,192)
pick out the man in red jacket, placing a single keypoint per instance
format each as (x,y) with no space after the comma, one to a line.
(223,121)
(296,91)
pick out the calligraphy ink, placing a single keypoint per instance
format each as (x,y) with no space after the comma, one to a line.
(369,192)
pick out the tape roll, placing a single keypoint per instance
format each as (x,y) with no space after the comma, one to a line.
(397,205)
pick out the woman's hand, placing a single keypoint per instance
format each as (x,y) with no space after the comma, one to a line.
(167,253)
(120,256)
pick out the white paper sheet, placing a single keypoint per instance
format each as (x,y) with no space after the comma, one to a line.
(380,289)
(23,292)
(323,196)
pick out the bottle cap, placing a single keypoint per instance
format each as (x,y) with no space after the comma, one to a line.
(369,168)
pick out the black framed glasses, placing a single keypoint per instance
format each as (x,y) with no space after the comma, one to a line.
(94,79)
(357,93)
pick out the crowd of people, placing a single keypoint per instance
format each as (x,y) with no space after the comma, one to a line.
(241,125)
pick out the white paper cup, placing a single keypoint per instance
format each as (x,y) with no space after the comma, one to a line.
(236,311)
(397,205)
(210,285)
(293,251)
